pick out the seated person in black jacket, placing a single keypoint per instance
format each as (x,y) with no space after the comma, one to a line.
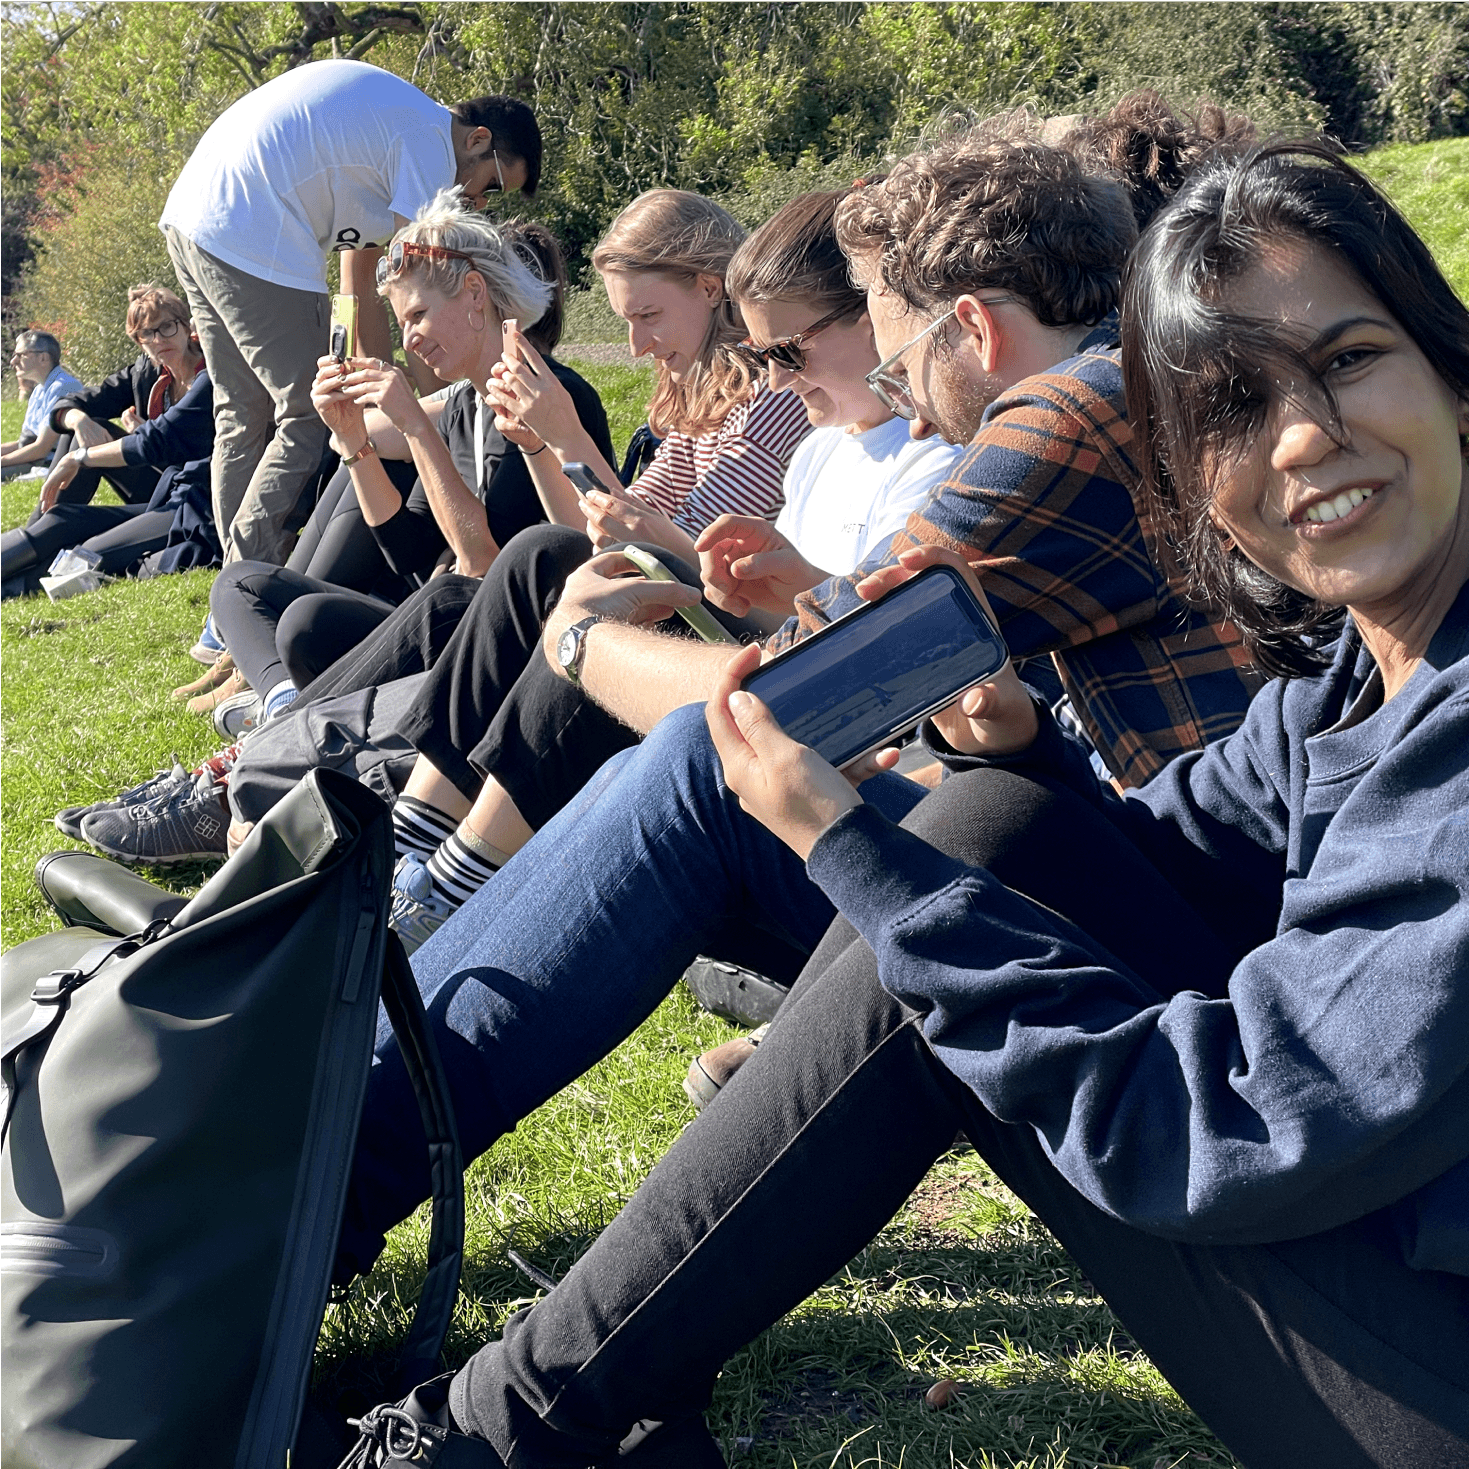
(164,410)
(464,276)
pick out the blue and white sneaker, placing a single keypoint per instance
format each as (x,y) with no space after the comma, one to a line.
(69,820)
(188,823)
(417,909)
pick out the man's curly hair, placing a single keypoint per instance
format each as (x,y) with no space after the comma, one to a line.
(981,209)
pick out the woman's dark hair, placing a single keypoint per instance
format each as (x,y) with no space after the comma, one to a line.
(794,256)
(541,251)
(1150,148)
(1201,379)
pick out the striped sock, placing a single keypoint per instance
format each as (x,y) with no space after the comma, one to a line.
(460,868)
(419,827)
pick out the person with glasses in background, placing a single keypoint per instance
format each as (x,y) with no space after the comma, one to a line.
(155,416)
(42,380)
(332,156)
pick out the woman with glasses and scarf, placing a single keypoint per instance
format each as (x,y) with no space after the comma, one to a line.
(156,415)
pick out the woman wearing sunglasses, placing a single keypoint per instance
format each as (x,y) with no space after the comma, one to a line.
(494,724)
(154,415)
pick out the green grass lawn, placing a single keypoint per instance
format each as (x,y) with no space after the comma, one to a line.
(964,1284)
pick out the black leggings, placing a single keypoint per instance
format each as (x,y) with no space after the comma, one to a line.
(493,706)
(279,624)
(134,483)
(1325,1352)
(337,545)
(121,534)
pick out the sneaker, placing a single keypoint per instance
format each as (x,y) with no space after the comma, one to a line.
(417,909)
(238,714)
(710,1073)
(69,821)
(417,1432)
(186,824)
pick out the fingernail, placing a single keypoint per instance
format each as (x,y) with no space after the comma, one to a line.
(740,701)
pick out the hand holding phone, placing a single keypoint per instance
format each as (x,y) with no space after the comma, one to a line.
(876,673)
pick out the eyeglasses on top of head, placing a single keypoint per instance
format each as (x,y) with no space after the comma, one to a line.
(402,251)
(893,392)
(164,331)
(787,353)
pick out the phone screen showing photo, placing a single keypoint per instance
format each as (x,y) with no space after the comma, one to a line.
(878,672)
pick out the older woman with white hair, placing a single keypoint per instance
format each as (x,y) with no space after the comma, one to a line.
(452,278)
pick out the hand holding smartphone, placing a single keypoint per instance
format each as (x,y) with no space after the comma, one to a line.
(876,673)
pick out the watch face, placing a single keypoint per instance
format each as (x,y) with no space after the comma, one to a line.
(566,648)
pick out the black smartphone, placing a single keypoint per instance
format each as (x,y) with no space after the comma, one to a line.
(582,477)
(876,673)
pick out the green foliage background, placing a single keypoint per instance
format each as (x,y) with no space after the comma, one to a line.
(748,101)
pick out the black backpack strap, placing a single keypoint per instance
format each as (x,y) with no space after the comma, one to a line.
(49,1000)
(420,1356)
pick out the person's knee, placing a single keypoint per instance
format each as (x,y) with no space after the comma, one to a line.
(240,578)
(979,815)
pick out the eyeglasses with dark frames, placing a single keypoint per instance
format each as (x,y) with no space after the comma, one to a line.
(401,251)
(787,353)
(163,332)
(893,392)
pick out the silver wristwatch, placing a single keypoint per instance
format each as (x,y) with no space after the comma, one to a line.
(571,648)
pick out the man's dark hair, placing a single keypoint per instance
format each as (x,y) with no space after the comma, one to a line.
(981,211)
(1201,378)
(517,133)
(34,341)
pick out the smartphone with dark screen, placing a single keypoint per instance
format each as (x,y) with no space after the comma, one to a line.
(876,673)
(582,477)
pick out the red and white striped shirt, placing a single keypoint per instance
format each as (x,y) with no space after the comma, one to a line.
(738,469)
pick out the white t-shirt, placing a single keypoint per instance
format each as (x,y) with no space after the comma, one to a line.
(319,159)
(847,493)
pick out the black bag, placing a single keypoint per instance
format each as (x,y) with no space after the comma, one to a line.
(181,1110)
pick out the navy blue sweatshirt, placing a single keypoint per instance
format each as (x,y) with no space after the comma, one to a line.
(1332,1080)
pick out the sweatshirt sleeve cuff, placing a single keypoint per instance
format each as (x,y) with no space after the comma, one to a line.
(1047,751)
(874,871)
(132,449)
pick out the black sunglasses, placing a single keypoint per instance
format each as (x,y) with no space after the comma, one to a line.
(787,352)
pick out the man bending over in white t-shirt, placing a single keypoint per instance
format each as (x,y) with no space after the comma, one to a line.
(334,155)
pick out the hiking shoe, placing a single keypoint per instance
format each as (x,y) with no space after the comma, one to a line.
(211,699)
(210,679)
(417,1432)
(710,1073)
(238,714)
(69,820)
(417,909)
(186,824)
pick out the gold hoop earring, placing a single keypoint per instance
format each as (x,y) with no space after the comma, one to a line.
(469,317)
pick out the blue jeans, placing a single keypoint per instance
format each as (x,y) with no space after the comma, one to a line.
(565,952)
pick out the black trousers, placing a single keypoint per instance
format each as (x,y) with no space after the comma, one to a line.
(492,705)
(1325,1352)
(121,534)
(280,624)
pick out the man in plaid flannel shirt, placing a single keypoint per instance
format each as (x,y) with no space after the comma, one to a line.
(555,960)
(990,290)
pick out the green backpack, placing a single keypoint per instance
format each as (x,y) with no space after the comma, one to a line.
(181,1111)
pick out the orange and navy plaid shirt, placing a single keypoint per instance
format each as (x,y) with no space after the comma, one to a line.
(1046,505)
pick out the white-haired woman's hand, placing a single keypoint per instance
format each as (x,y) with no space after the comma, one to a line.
(369,382)
(526,392)
(336,410)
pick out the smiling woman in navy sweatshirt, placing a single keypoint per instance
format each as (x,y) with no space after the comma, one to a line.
(1239,1096)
